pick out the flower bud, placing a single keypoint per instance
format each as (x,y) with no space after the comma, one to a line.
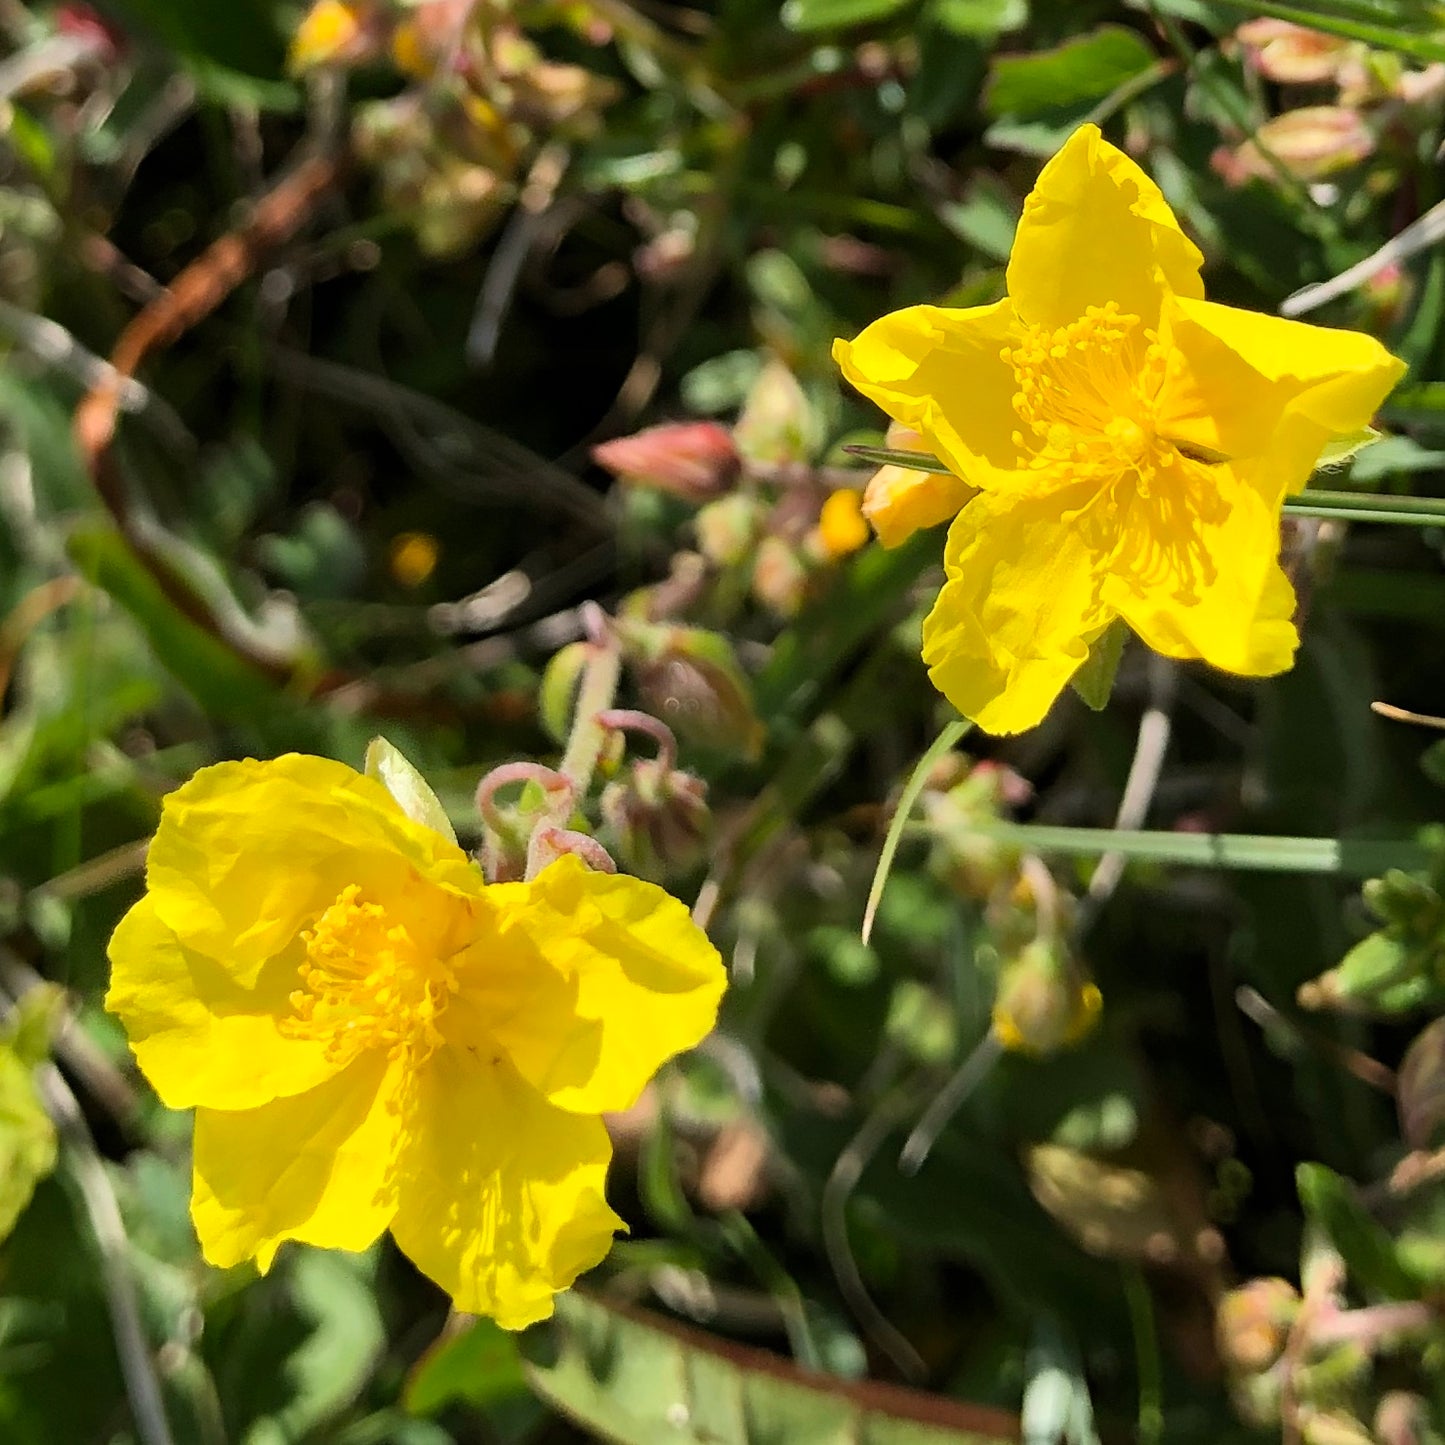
(690,678)
(1311,143)
(780,576)
(728,529)
(1293,54)
(841,528)
(694,460)
(1044,1001)
(1420,1087)
(659,817)
(1253,1323)
(899,501)
(1402,1419)
(777,422)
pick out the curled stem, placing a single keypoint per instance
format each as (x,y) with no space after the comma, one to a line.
(625,719)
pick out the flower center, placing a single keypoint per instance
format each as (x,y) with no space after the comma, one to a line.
(1087,395)
(365,984)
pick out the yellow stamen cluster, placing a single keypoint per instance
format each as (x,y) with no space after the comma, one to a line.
(366,985)
(1088,397)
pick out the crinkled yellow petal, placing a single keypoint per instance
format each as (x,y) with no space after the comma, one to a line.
(317,1167)
(1096,229)
(1267,392)
(1233,606)
(1021,605)
(500,1194)
(199,1035)
(247,853)
(591,982)
(941,372)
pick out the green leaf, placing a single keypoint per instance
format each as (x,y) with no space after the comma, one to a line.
(636,1379)
(395,772)
(1348,857)
(27,1138)
(219,679)
(1083,69)
(1094,681)
(1330,1201)
(479,1365)
(980,19)
(1341,20)
(807,15)
(939,748)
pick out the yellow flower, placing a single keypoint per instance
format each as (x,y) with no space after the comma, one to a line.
(1132,444)
(373,1038)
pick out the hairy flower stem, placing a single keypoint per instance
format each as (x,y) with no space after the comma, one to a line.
(599,687)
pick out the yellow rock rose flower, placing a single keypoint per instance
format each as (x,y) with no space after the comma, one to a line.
(374,1038)
(1132,444)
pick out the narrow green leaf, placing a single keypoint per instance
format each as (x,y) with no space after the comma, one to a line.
(1349,858)
(914,786)
(1383,37)
(1367,1249)
(219,679)
(636,1379)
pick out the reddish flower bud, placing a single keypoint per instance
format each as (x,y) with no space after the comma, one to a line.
(694,460)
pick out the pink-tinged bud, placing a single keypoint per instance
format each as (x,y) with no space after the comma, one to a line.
(1420,1087)
(659,818)
(780,576)
(1311,144)
(1402,1419)
(690,678)
(83,23)
(1253,1322)
(694,460)
(1292,54)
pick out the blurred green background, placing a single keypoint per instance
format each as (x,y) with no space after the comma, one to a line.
(339,480)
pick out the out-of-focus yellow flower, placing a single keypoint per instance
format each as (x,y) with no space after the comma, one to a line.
(413,557)
(373,1038)
(899,501)
(332,32)
(841,528)
(1132,444)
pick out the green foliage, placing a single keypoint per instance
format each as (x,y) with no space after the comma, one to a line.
(332,516)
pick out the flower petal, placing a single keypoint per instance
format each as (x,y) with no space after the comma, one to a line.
(1095,229)
(1020,607)
(317,1167)
(591,982)
(199,1035)
(1231,604)
(500,1195)
(248,852)
(941,372)
(1269,393)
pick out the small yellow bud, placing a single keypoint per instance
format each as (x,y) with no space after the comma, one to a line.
(841,527)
